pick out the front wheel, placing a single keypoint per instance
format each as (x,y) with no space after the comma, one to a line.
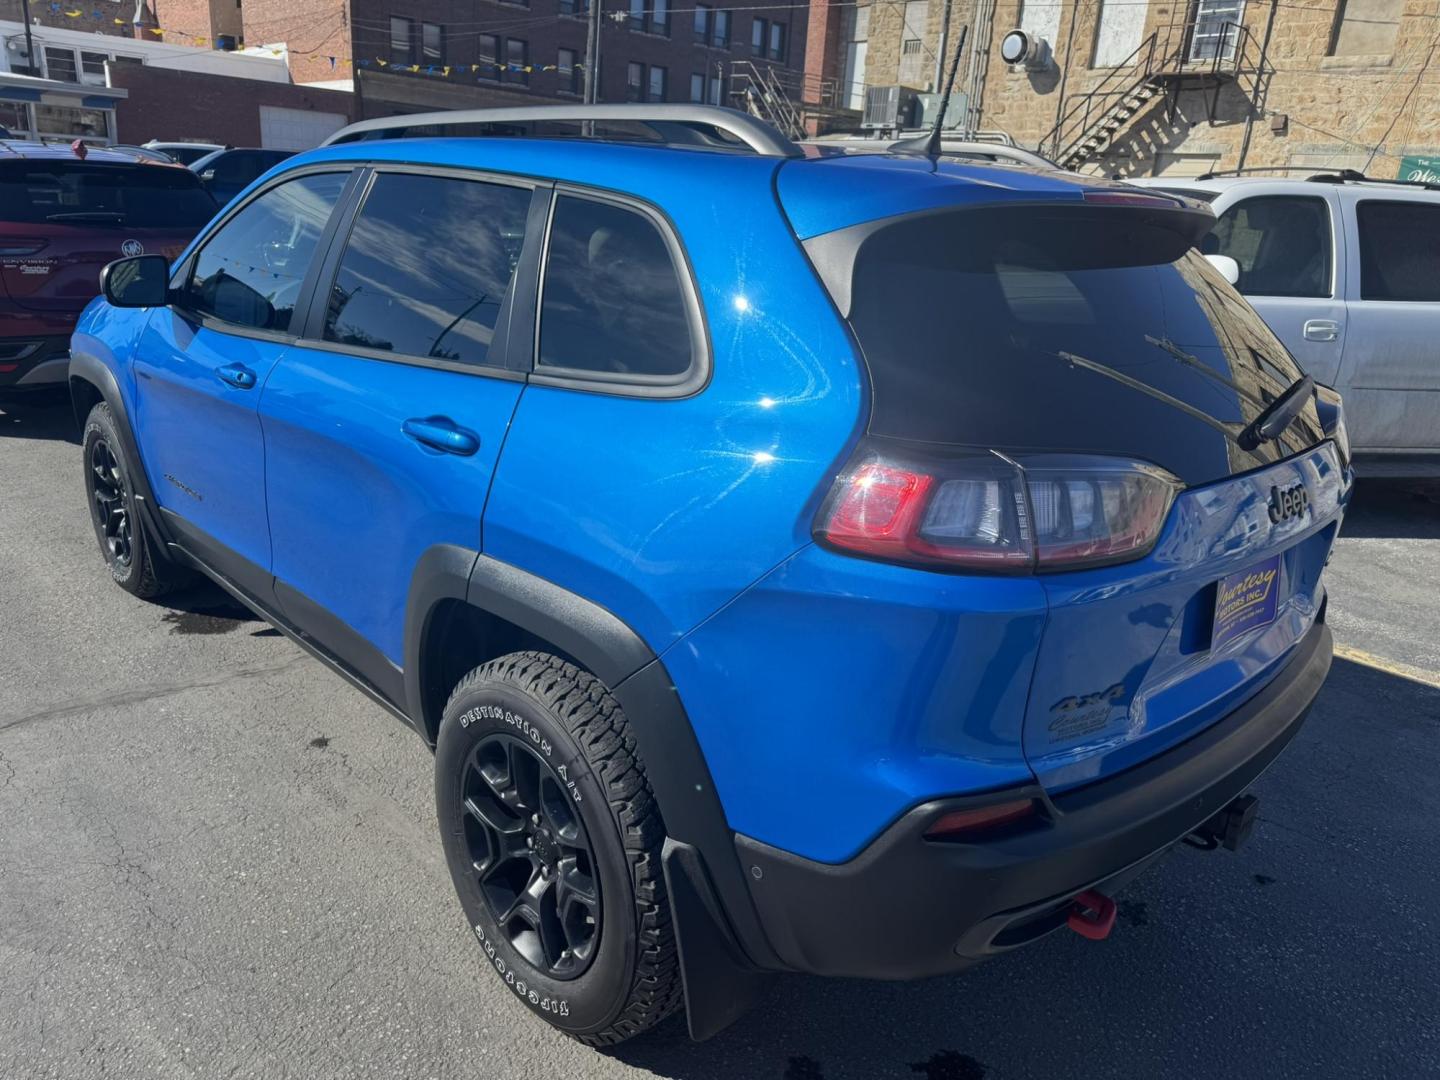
(553,841)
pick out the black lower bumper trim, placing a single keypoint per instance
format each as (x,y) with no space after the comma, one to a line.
(907,908)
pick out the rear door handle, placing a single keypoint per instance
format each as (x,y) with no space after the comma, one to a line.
(237,375)
(1321,330)
(441,433)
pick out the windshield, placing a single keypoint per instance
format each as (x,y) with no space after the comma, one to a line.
(136,196)
(1062,328)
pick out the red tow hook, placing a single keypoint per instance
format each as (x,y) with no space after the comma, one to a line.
(1092,916)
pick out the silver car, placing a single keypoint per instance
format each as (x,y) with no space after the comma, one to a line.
(1346,271)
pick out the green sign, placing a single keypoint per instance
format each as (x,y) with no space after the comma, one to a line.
(1426,170)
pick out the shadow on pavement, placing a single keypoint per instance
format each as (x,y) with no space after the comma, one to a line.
(205,608)
(1394,510)
(1304,947)
(38,415)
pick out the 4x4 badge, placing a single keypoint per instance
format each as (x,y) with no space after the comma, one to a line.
(1291,502)
(131,248)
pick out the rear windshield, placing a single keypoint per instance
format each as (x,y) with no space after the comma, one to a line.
(1056,328)
(136,196)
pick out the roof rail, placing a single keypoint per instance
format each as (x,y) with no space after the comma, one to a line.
(677,125)
(1351,176)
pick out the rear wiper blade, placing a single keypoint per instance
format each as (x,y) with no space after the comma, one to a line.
(87,215)
(1076,360)
(1279,414)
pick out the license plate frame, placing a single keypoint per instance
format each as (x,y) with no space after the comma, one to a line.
(1244,601)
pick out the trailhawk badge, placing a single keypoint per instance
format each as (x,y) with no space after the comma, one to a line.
(131,248)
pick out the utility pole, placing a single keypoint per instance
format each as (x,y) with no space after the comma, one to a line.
(592,54)
(29,40)
(940,47)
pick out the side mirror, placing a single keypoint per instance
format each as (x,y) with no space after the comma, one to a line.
(141,281)
(1228,267)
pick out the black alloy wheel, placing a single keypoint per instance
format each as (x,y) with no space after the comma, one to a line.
(110,503)
(531,855)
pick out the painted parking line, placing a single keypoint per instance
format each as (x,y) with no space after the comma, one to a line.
(1405,671)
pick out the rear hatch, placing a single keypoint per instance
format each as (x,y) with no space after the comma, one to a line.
(61,221)
(1073,330)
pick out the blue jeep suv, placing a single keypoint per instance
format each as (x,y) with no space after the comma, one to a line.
(798,562)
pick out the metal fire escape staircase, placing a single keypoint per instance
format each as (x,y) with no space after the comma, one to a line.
(783,98)
(1194,54)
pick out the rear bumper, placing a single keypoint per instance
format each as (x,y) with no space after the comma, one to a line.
(34,362)
(907,908)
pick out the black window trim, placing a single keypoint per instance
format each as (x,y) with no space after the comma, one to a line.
(513,346)
(687,383)
(1331,218)
(180,274)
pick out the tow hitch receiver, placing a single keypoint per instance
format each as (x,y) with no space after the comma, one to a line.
(1231,827)
(1092,915)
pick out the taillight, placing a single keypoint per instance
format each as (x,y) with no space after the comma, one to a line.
(958,824)
(985,511)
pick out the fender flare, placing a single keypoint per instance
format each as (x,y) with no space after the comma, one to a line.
(88,368)
(615,654)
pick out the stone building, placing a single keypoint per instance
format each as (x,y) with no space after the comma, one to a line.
(1144,87)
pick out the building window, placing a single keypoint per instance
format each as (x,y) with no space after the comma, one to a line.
(634,81)
(566,64)
(717,89)
(489,56)
(758,30)
(777,41)
(60,64)
(92,68)
(70,122)
(432,44)
(575,7)
(660,17)
(1366,27)
(657,84)
(702,23)
(721,22)
(402,41)
(697,89)
(637,15)
(517,59)
(913,69)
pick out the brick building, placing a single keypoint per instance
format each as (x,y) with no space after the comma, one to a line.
(1132,88)
(433,54)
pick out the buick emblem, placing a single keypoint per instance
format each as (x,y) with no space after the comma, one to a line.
(131,248)
(1288,503)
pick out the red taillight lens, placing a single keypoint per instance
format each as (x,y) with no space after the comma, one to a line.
(984,511)
(959,823)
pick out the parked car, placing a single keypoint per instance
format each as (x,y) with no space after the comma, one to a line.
(864,582)
(1346,271)
(226,173)
(186,153)
(62,218)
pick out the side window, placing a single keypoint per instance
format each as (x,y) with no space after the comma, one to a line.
(427,267)
(250,271)
(1399,250)
(613,302)
(1282,243)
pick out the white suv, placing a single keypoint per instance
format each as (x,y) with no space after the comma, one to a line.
(1346,271)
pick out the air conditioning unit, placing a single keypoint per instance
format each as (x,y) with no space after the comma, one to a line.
(1020,48)
(889,108)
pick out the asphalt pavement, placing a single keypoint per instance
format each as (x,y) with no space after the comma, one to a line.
(217,860)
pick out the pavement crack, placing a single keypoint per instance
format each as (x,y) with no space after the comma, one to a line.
(80,706)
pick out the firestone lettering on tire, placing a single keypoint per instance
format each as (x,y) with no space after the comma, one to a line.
(544,1003)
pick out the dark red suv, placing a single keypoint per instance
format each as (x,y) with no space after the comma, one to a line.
(64,214)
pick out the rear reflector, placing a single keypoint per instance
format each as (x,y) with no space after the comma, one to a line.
(959,823)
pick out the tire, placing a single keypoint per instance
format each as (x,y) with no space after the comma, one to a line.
(128,553)
(601,971)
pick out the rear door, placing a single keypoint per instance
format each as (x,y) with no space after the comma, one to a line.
(200,363)
(63,220)
(1291,252)
(1391,373)
(383,426)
